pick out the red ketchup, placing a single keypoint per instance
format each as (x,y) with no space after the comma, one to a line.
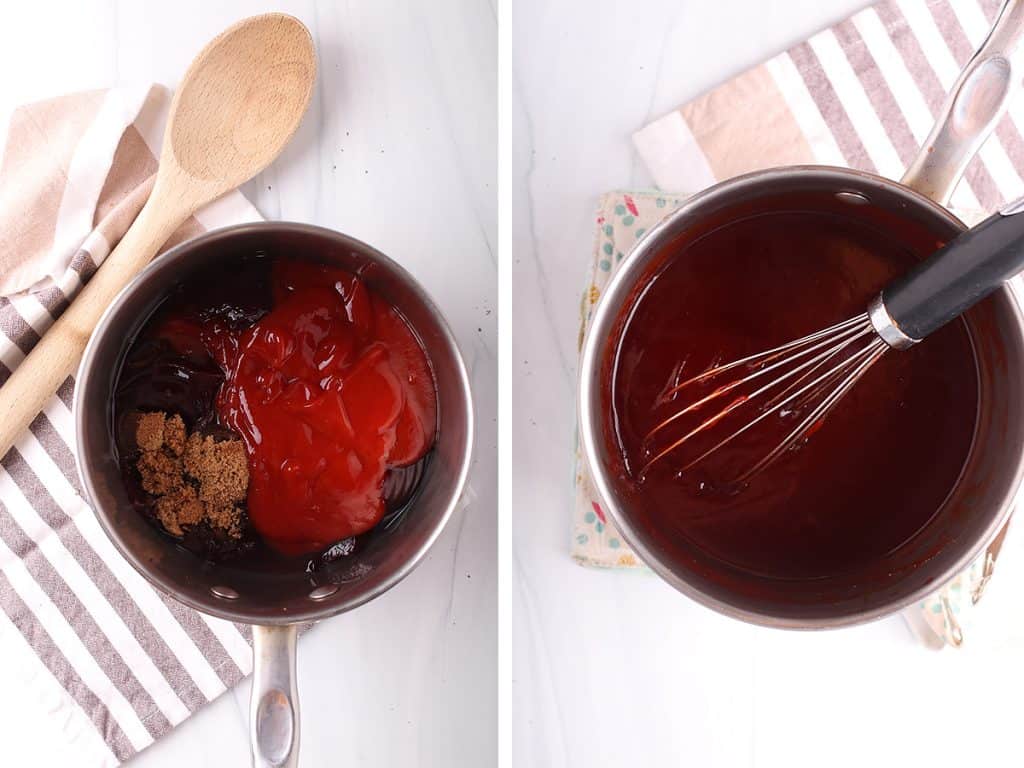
(328,390)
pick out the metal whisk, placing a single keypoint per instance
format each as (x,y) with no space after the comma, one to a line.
(814,372)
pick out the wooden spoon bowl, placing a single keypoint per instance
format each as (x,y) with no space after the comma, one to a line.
(245,92)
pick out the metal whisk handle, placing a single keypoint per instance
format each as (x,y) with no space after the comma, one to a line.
(953,279)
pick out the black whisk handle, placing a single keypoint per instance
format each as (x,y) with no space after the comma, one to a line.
(959,275)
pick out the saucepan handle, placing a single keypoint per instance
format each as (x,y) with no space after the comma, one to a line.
(973,107)
(955,278)
(274,706)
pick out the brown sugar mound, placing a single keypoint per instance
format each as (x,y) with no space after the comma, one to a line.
(221,468)
(160,472)
(180,508)
(194,477)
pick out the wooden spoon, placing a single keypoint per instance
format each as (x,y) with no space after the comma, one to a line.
(237,106)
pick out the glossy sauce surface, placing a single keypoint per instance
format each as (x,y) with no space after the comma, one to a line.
(867,479)
(323,380)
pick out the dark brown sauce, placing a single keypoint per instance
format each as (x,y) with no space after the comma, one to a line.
(876,470)
(156,377)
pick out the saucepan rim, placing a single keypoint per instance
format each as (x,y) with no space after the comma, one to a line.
(609,306)
(167,586)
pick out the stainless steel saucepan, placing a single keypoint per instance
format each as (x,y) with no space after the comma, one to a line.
(984,496)
(275,604)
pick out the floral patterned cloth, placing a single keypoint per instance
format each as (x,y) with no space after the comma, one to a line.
(622,219)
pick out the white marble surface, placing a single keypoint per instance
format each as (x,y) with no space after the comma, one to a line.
(608,668)
(398,150)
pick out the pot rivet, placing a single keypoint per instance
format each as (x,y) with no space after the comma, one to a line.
(226,593)
(321,593)
(855,198)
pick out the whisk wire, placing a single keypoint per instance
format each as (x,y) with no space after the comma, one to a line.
(805,382)
(847,334)
(822,360)
(833,333)
(875,350)
(832,373)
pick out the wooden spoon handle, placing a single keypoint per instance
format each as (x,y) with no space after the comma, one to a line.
(58,353)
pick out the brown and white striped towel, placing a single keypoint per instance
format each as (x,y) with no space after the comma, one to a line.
(101,664)
(864,94)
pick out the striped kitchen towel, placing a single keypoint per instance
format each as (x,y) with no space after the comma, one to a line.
(865,94)
(98,663)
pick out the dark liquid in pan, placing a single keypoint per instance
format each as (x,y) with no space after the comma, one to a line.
(876,470)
